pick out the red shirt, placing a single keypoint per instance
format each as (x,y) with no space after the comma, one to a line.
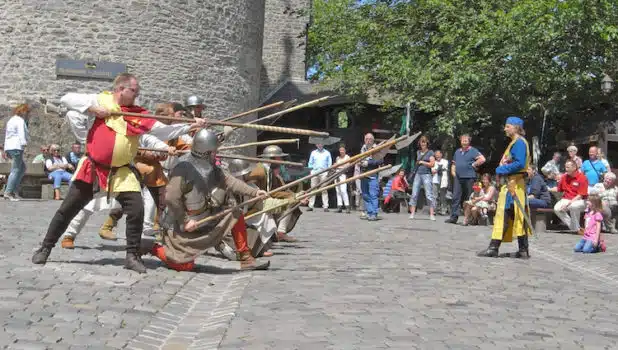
(572,186)
(399,184)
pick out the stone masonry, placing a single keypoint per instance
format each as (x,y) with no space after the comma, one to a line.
(176,48)
(284,43)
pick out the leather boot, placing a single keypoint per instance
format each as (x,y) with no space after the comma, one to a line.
(283,237)
(107,229)
(492,250)
(522,251)
(248,262)
(57,194)
(41,255)
(134,262)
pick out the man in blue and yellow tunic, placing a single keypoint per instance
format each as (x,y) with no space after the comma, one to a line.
(509,219)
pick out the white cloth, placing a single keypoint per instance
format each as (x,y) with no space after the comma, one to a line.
(150,209)
(342,192)
(16,134)
(55,161)
(80,122)
(570,217)
(441,178)
(314,182)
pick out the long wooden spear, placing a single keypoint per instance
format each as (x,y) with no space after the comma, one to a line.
(255,110)
(313,193)
(260,143)
(232,124)
(292,109)
(235,156)
(296,182)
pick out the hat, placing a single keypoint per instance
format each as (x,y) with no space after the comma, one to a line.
(272,151)
(516,121)
(476,187)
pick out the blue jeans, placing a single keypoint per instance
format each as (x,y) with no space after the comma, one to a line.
(537,203)
(18,169)
(60,175)
(425,181)
(370,190)
(585,246)
(462,188)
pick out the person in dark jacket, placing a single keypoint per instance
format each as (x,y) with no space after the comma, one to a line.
(538,194)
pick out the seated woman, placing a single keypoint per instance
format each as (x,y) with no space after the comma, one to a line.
(397,193)
(538,193)
(482,201)
(58,167)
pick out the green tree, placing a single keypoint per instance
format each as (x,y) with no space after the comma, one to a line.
(471,63)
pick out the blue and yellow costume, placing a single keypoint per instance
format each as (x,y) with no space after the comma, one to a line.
(509,219)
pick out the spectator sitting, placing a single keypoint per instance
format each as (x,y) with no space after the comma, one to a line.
(572,151)
(58,167)
(398,189)
(603,159)
(574,186)
(593,168)
(75,155)
(41,157)
(592,242)
(551,170)
(608,192)
(538,194)
(482,201)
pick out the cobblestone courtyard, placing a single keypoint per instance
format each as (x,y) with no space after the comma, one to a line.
(348,284)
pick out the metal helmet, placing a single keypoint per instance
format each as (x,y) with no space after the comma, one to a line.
(204,142)
(272,151)
(239,167)
(193,101)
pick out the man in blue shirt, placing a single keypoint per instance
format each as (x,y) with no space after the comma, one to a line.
(509,219)
(319,159)
(465,162)
(593,168)
(369,185)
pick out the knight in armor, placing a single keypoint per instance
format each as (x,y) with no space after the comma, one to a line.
(509,218)
(198,189)
(268,177)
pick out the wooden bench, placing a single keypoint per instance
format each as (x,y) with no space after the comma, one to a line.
(35,184)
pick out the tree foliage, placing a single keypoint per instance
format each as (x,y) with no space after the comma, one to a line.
(471,62)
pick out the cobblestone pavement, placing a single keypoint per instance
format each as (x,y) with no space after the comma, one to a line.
(348,284)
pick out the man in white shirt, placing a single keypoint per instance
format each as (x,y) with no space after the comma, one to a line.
(319,159)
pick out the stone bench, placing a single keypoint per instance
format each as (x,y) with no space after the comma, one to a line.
(540,217)
(35,184)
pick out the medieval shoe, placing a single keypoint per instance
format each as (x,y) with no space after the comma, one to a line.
(41,255)
(106,231)
(135,263)
(522,252)
(492,250)
(248,262)
(68,242)
(283,237)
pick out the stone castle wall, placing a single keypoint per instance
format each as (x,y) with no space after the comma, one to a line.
(175,47)
(284,51)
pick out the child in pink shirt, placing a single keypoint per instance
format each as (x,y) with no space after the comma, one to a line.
(592,242)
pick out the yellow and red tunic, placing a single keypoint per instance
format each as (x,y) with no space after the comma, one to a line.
(111,145)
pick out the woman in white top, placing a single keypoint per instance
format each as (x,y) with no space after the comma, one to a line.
(343,201)
(58,168)
(15,141)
